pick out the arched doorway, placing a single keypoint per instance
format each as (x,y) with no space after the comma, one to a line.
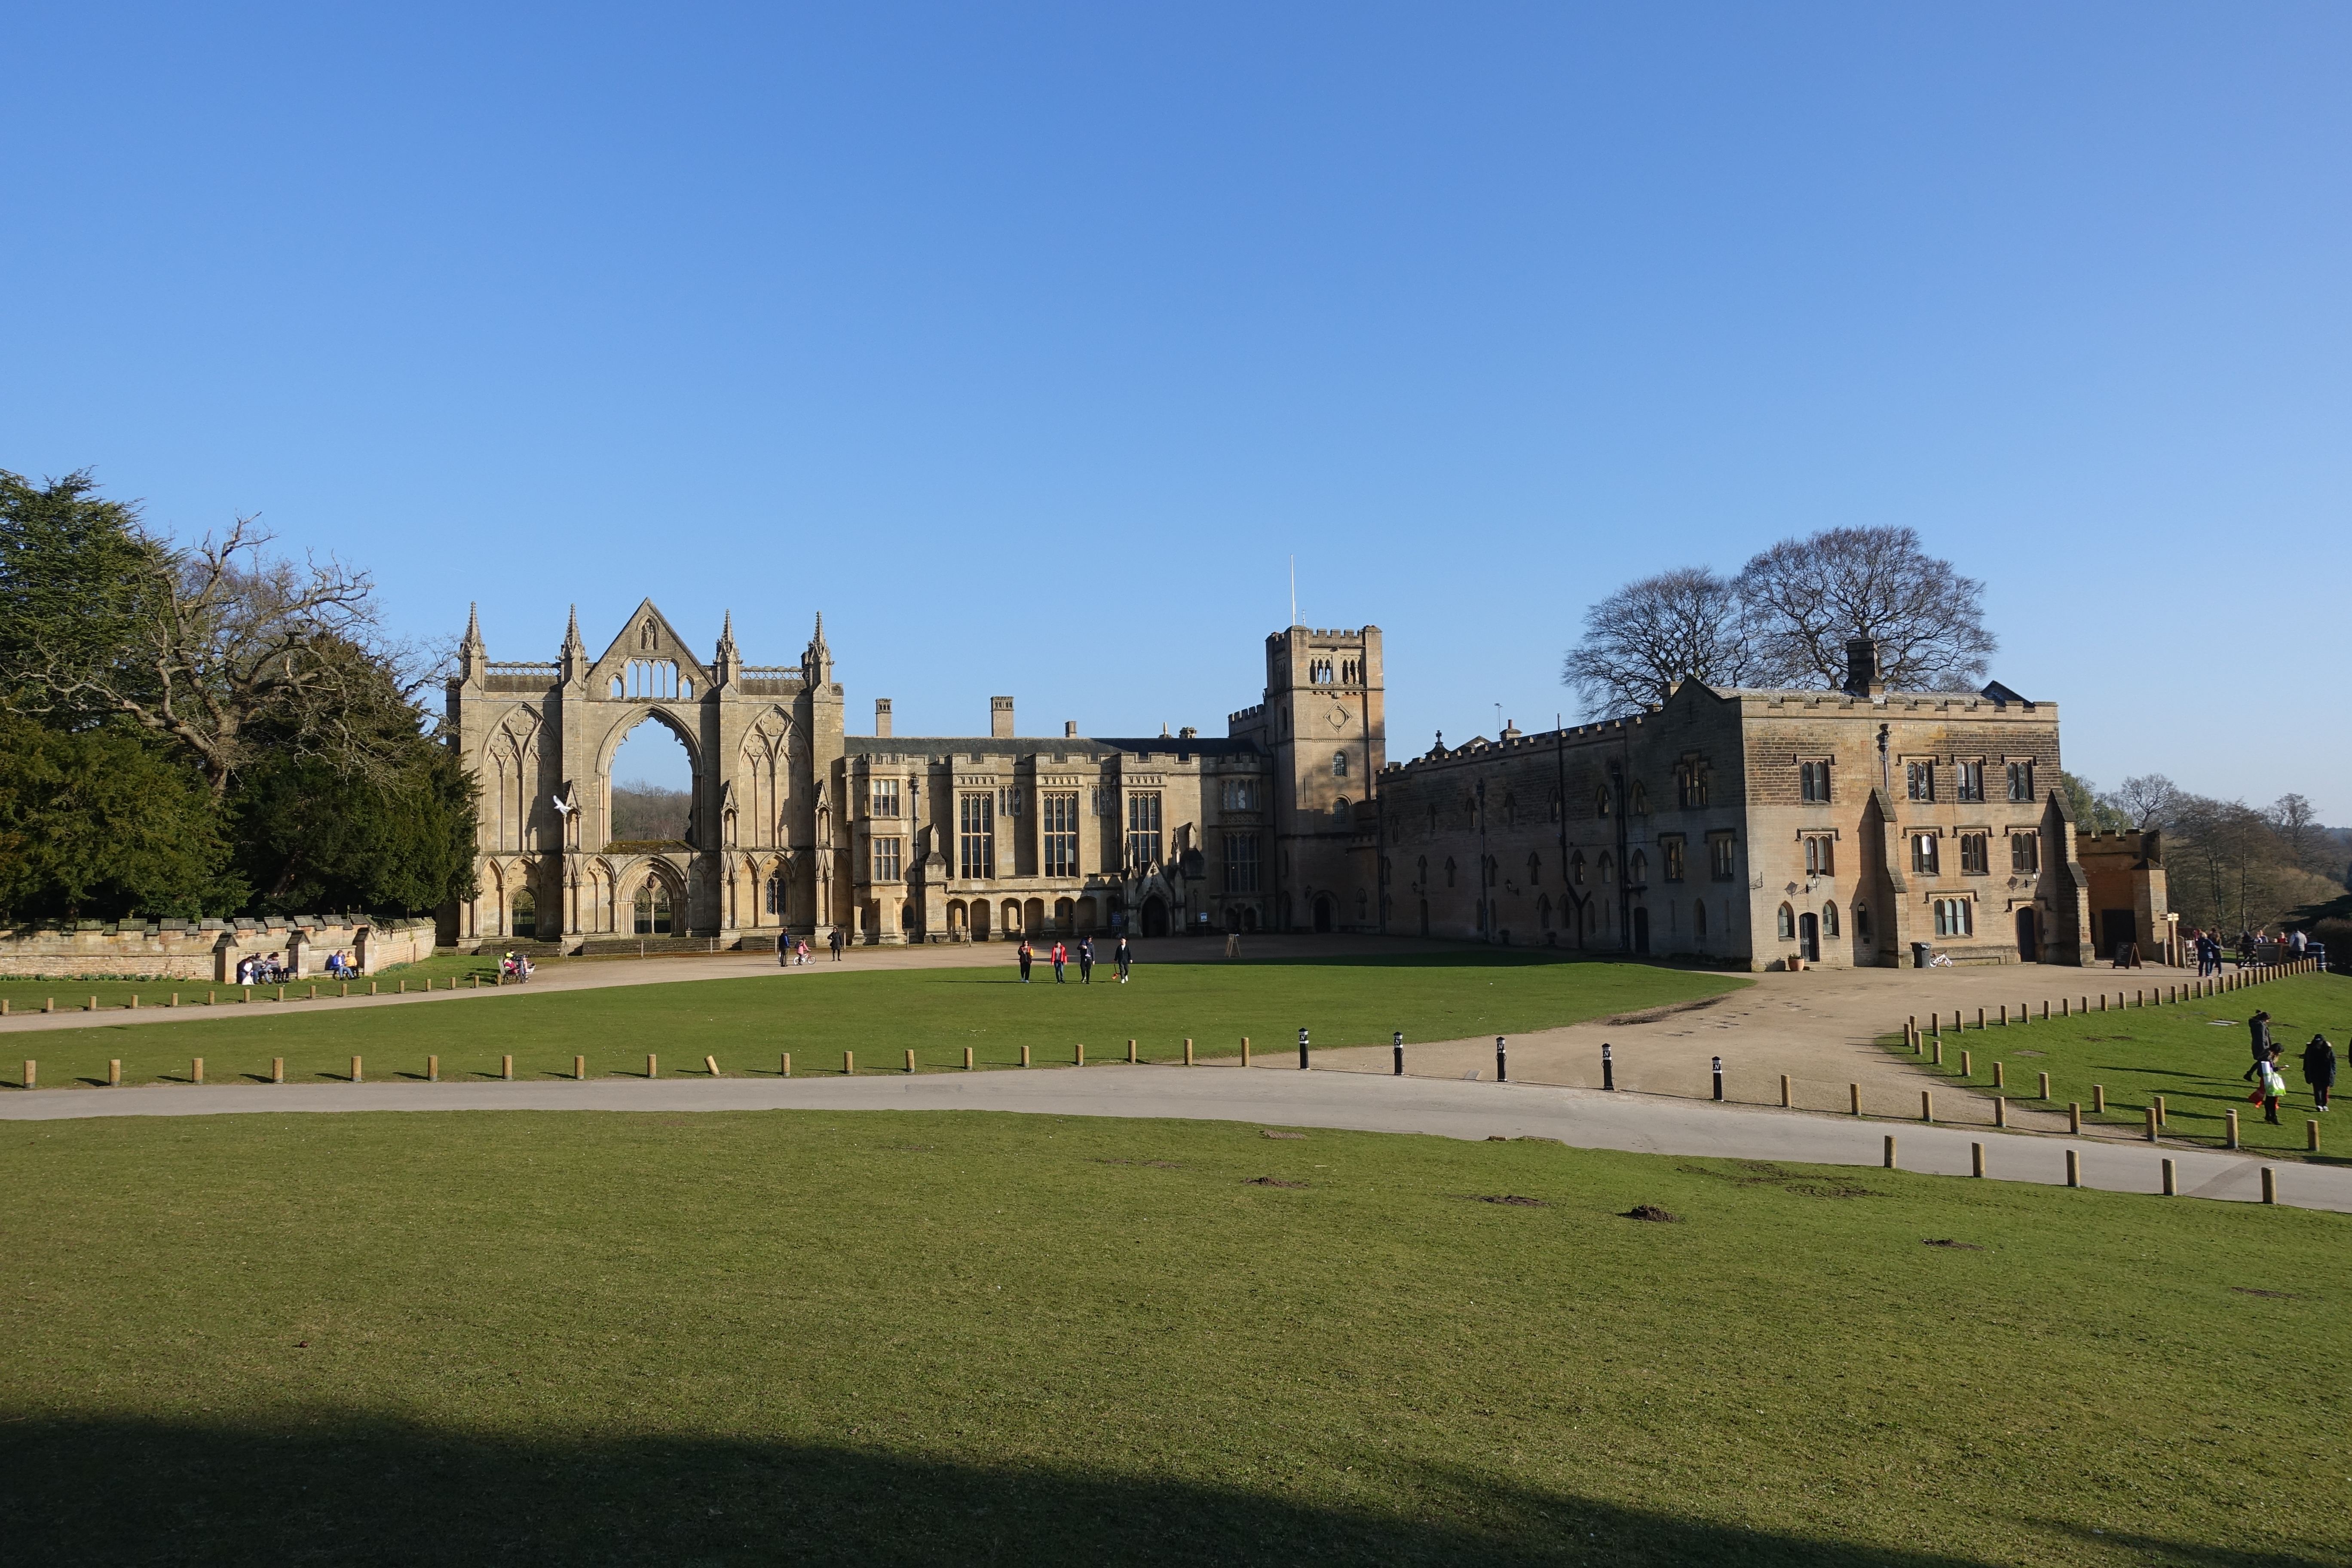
(1322,911)
(1809,937)
(1155,916)
(653,907)
(525,917)
(2029,936)
(1641,931)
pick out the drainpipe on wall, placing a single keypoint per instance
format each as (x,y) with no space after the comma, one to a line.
(1571,902)
(1485,907)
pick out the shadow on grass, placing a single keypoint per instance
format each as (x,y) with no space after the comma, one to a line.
(356,1491)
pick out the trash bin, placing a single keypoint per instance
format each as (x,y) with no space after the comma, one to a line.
(1922,955)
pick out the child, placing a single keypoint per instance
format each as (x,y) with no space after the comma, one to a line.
(2273,1086)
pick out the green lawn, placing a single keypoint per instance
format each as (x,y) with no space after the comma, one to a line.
(747,1024)
(857,1337)
(2191,1053)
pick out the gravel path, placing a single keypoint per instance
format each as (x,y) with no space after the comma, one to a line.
(1451,1109)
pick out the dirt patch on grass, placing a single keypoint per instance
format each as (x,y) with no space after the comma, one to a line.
(1653,1014)
(1947,1241)
(1512,1200)
(1652,1213)
(1269,1181)
(1764,1173)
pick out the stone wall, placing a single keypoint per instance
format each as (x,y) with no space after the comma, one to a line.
(210,950)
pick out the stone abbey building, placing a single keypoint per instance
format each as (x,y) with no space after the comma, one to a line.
(1746,827)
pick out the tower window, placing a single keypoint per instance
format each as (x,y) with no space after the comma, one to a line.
(2024,852)
(1339,765)
(1919,779)
(1241,862)
(1971,777)
(1058,833)
(1976,858)
(1143,829)
(1813,783)
(976,836)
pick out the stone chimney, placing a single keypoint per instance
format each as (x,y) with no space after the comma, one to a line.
(1069,729)
(882,718)
(1000,718)
(1862,676)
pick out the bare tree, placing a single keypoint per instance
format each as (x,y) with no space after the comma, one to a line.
(1649,634)
(236,648)
(2149,800)
(2296,823)
(1804,597)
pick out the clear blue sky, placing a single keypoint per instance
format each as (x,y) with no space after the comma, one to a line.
(1028,343)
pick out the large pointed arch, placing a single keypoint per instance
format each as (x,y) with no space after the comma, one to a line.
(620,730)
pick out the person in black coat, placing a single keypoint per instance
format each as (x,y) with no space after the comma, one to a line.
(2319,1069)
(2259,1026)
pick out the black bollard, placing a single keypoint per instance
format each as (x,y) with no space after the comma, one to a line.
(1718,1077)
(1302,1047)
(1608,1068)
(1501,1063)
(1397,1044)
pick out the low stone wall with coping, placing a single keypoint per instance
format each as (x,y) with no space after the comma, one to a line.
(210,950)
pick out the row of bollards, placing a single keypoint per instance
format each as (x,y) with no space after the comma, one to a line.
(1921,1041)
(2171,1182)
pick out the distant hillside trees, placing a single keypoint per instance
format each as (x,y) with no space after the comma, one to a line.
(208,729)
(2230,867)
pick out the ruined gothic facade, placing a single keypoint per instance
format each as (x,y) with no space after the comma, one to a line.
(1745,827)
(798,826)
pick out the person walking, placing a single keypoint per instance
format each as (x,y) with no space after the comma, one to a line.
(1061,957)
(1024,961)
(1122,957)
(836,944)
(2274,1085)
(784,950)
(1085,961)
(2319,1069)
(2259,1026)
